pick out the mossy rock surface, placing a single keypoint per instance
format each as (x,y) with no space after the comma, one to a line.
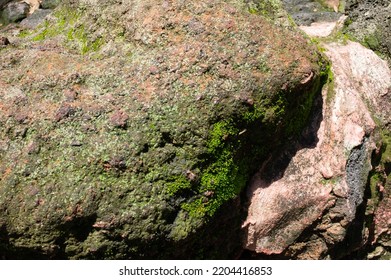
(130,130)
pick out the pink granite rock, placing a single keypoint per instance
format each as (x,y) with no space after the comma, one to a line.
(323,184)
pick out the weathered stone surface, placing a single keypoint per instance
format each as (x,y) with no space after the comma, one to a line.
(362,70)
(50,4)
(3,2)
(279,212)
(15,11)
(129,130)
(36,18)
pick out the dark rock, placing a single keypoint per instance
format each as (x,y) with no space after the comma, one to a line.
(357,170)
(3,2)
(35,19)
(64,111)
(50,4)
(119,119)
(305,12)
(4,41)
(15,11)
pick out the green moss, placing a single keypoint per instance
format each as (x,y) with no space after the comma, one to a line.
(381,174)
(252,9)
(97,44)
(267,8)
(341,36)
(67,24)
(258,112)
(386,156)
(374,180)
(342,6)
(233,154)
(222,179)
(47,32)
(328,74)
(220,132)
(25,33)
(178,184)
(291,21)
(372,41)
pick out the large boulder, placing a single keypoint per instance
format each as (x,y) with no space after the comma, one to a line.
(129,130)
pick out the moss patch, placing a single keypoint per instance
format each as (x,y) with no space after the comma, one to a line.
(381,174)
(67,24)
